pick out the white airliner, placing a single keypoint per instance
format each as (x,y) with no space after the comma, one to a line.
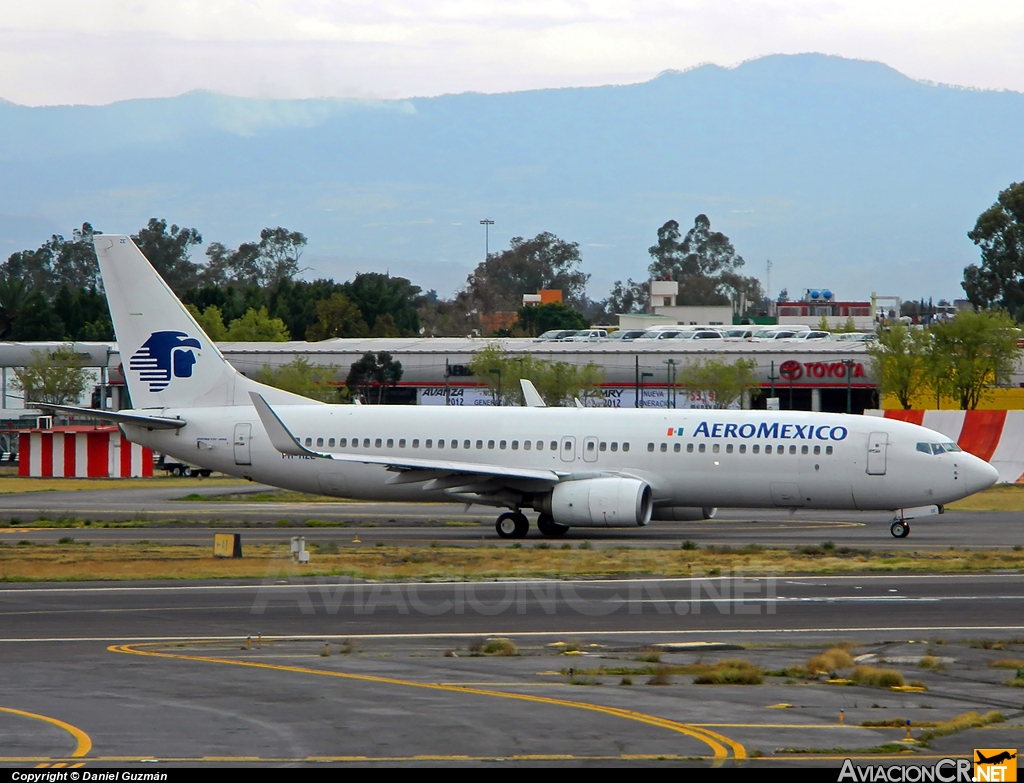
(577,467)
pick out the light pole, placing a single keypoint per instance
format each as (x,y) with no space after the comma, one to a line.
(498,373)
(642,376)
(670,383)
(848,365)
(487,223)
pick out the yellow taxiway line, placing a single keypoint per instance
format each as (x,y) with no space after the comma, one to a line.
(83,743)
(719,744)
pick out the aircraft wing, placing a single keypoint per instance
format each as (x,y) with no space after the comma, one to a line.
(118,417)
(283,440)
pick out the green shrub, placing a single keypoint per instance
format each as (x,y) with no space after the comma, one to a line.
(877,678)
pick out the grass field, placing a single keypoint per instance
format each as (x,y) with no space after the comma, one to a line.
(1002,497)
(14,484)
(73,561)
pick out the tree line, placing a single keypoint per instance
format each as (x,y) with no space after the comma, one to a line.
(255,292)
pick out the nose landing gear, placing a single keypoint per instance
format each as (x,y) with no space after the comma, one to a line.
(512,524)
(899,528)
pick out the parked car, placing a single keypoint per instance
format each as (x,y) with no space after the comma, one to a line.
(587,335)
(557,334)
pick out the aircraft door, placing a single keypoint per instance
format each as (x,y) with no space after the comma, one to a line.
(878,446)
(243,433)
(590,449)
(568,449)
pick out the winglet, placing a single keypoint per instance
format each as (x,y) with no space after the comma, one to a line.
(280,435)
(531,396)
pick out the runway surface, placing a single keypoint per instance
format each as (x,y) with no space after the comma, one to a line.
(109,674)
(164,672)
(451,523)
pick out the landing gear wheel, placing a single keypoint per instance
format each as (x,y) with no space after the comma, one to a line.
(512,524)
(899,529)
(547,525)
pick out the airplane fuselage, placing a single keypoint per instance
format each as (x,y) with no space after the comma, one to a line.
(690,458)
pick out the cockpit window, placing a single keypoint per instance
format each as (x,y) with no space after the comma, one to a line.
(937,448)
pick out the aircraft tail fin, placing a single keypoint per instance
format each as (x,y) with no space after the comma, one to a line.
(168,360)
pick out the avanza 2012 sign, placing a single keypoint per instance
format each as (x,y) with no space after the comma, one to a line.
(793,370)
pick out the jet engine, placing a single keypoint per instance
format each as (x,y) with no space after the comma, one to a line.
(684,513)
(599,502)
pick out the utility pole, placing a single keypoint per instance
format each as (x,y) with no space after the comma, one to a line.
(636,396)
(768,286)
(487,223)
(848,365)
(670,381)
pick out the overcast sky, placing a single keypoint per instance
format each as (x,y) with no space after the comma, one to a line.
(99,51)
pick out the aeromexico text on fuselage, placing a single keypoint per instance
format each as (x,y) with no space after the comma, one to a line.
(763,430)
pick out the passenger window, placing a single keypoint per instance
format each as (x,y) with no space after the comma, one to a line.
(780,449)
(330,443)
(755,449)
(540,445)
(664,447)
(768,449)
(515,445)
(603,446)
(455,444)
(554,445)
(568,445)
(625,447)
(689,448)
(415,443)
(490,444)
(817,449)
(803,449)
(728,448)
(343,442)
(401,443)
(428,443)
(590,445)
(743,448)
(701,448)
(615,446)
(677,447)
(527,444)
(391,443)
(503,444)
(828,449)
(309,441)
(440,444)
(366,443)
(792,449)
(715,448)
(479,444)
(376,443)
(650,447)
(465,444)
(319,441)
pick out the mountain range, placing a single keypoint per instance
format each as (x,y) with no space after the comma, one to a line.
(845,173)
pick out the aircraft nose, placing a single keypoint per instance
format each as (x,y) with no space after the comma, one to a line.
(979,474)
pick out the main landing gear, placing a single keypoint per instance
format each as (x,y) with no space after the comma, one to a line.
(512,524)
(899,528)
(546,524)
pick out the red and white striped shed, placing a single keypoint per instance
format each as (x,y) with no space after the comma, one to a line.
(83,452)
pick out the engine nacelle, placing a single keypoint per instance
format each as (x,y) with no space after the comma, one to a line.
(684,513)
(600,502)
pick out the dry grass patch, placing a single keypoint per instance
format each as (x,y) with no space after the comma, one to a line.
(1001,497)
(1007,663)
(733,671)
(501,648)
(969,720)
(877,678)
(449,563)
(830,661)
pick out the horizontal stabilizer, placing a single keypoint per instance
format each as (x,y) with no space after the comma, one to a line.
(118,417)
(283,440)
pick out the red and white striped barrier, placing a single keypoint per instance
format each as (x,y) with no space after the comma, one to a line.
(87,452)
(995,436)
